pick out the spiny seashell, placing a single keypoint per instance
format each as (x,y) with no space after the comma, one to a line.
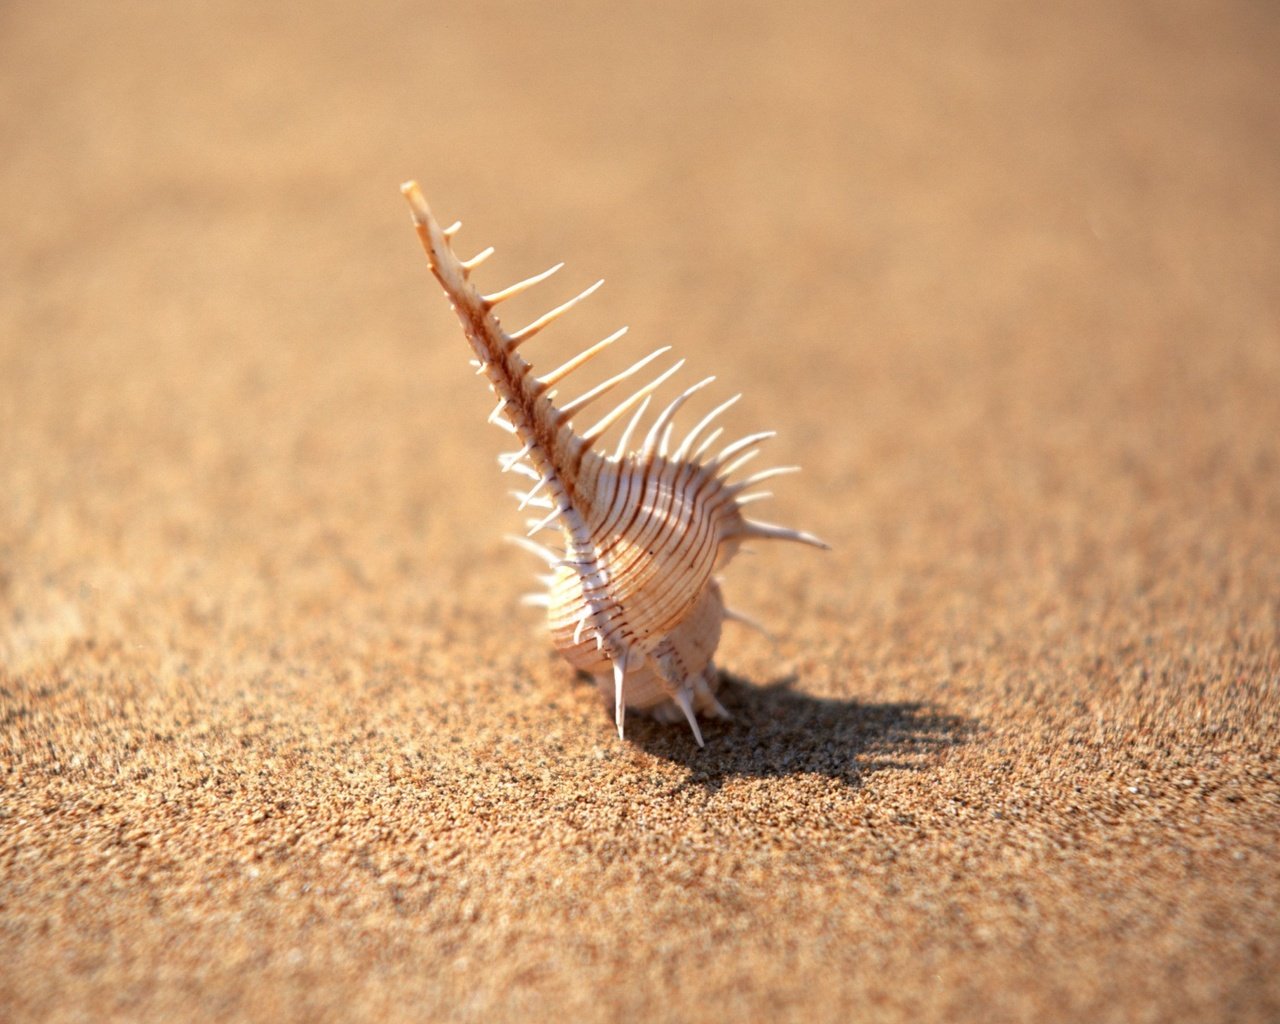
(632,597)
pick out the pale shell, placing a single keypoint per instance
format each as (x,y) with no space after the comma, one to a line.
(632,598)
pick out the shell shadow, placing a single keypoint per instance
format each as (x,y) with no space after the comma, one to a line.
(776,732)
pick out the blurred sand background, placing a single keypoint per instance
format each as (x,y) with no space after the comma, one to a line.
(280,744)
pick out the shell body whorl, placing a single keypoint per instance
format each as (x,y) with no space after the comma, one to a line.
(632,597)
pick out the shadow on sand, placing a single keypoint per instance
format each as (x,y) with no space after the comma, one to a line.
(776,731)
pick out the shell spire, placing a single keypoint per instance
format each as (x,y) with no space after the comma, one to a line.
(632,597)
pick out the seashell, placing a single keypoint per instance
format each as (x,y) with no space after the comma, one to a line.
(632,596)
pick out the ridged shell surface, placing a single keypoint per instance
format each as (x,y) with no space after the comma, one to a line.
(631,592)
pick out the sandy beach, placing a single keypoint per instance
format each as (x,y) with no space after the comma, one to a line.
(280,742)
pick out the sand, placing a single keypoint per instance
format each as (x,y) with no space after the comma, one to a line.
(279,742)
